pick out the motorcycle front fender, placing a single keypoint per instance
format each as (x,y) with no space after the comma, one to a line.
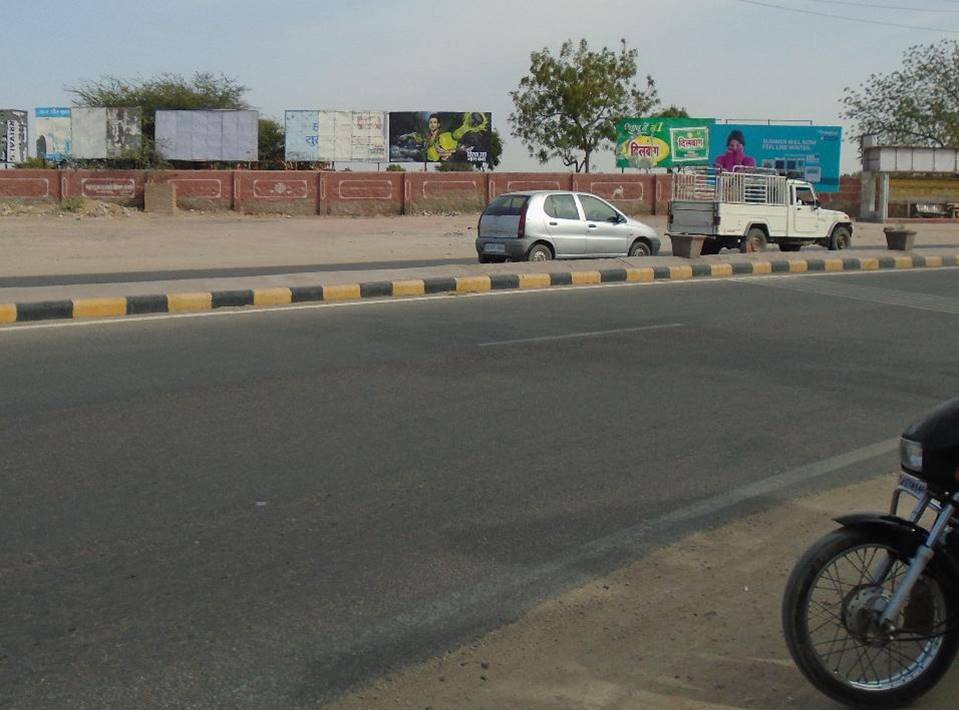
(890,523)
(908,532)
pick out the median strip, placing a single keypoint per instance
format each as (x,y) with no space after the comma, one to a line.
(85,308)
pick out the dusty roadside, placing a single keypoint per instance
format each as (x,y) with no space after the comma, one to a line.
(130,241)
(693,625)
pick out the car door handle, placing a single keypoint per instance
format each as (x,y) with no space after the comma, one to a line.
(590,226)
(554,224)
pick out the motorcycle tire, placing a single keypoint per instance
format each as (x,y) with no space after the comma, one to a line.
(822,669)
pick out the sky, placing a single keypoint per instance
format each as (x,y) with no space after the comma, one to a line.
(729,59)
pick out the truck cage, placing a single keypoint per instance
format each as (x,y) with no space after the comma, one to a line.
(752,186)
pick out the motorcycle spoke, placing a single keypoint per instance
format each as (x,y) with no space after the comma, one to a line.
(823,609)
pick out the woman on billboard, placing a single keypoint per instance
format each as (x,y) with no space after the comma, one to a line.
(735,155)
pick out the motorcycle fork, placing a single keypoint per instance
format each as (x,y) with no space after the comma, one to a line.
(921,559)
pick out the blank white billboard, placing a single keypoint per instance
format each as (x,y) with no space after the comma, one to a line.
(348,136)
(207,135)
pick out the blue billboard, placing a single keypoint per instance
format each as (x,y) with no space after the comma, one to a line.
(809,153)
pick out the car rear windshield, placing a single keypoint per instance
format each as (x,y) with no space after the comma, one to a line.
(506,206)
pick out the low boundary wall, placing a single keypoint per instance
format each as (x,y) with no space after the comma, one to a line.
(350,193)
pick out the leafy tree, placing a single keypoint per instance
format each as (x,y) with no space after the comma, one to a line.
(271,143)
(203,90)
(672,112)
(568,105)
(917,104)
(495,151)
(455,167)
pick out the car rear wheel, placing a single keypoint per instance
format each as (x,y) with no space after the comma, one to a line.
(539,252)
(640,248)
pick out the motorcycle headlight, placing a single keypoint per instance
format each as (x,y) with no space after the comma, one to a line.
(910,455)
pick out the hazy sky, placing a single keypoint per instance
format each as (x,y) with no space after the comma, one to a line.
(722,58)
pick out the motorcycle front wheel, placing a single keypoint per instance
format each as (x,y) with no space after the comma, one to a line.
(831,610)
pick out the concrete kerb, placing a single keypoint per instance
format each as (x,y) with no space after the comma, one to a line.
(525,277)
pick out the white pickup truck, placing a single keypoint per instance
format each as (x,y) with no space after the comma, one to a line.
(749,209)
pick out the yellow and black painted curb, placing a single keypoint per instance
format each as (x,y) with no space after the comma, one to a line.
(79,308)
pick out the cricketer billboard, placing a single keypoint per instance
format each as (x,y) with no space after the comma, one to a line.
(13,137)
(662,142)
(54,135)
(351,136)
(810,153)
(454,137)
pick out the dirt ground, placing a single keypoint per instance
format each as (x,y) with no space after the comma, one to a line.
(694,625)
(101,240)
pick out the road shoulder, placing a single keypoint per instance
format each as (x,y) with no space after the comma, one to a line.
(693,625)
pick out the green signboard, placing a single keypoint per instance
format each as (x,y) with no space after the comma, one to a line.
(662,142)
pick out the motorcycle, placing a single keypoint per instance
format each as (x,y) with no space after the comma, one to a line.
(871,610)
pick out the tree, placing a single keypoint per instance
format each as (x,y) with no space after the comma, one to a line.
(455,167)
(568,105)
(495,151)
(672,111)
(271,143)
(166,91)
(916,104)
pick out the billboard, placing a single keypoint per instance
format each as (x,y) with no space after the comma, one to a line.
(100,133)
(224,135)
(356,136)
(13,137)
(425,137)
(54,137)
(662,142)
(810,153)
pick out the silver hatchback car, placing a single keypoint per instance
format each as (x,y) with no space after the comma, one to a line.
(555,224)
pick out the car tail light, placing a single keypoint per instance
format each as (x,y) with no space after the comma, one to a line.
(521,229)
(715,219)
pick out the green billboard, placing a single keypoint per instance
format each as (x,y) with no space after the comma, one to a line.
(662,142)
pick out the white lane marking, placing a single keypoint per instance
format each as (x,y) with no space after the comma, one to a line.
(253,310)
(588,334)
(569,571)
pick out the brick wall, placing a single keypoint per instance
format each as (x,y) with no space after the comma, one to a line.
(198,189)
(361,193)
(332,193)
(124,187)
(276,191)
(848,199)
(30,185)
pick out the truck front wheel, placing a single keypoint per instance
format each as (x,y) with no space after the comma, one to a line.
(840,239)
(755,240)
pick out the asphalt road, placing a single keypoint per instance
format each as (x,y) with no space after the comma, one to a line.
(264,509)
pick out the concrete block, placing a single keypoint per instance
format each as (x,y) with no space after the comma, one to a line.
(160,198)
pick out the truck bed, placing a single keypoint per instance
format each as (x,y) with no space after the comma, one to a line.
(693,217)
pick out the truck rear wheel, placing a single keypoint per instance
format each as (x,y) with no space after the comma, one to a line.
(755,240)
(840,239)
